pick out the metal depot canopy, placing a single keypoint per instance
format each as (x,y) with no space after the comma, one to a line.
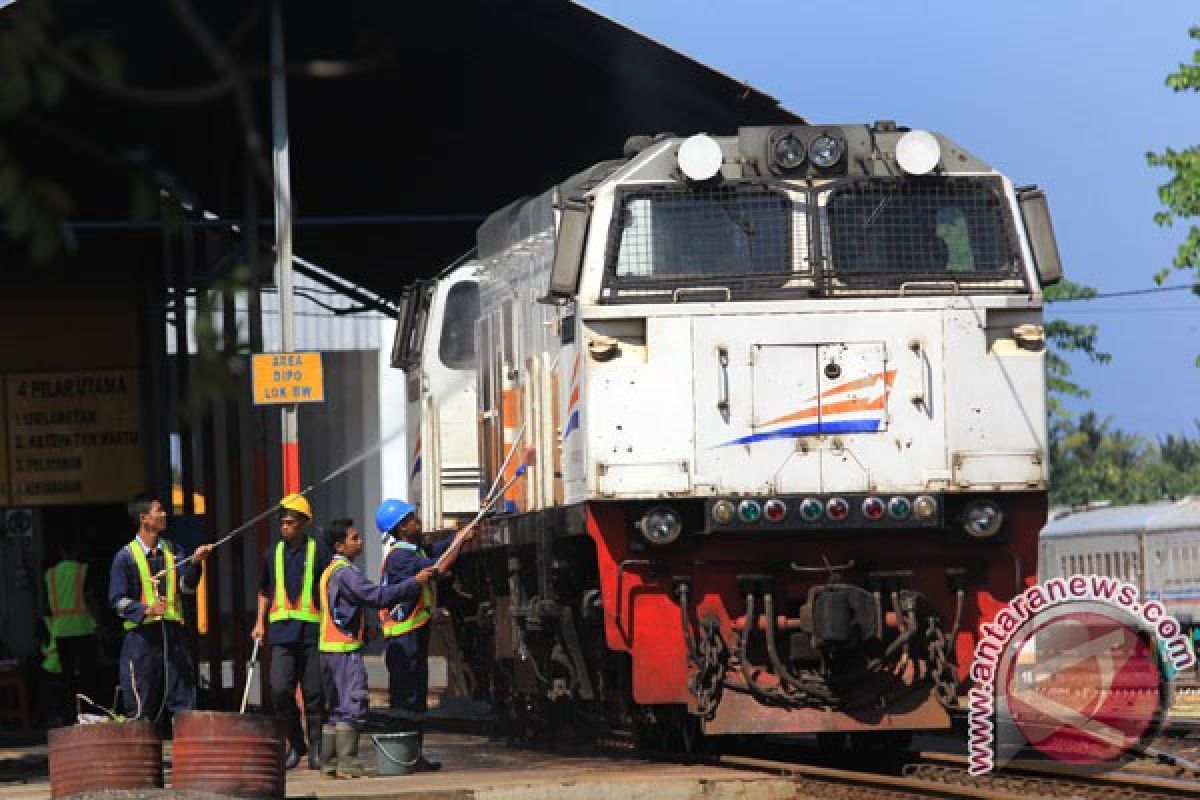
(409,121)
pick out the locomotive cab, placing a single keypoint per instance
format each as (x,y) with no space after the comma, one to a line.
(435,346)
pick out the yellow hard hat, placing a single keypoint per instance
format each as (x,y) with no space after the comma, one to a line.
(297,503)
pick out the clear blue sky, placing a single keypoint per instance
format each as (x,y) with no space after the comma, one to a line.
(1068,94)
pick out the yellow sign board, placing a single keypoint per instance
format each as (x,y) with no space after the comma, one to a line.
(74,437)
(4,498)
(286,378)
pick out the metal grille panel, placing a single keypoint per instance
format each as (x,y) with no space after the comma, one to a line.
(727,230)
(954,229)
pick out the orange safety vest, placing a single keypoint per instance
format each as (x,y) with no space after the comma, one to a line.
(421,613)
(303,609)
(332,639)
(69,616)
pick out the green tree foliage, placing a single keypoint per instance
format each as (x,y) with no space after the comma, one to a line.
(1065,337)
(33,207)
(1091,461)
(1181,194)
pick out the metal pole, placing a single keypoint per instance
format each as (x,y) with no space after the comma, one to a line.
(283,238)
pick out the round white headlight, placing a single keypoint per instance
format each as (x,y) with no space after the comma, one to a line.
(700,157)
(661,526)
(918,152)
(982,519)
(826,150)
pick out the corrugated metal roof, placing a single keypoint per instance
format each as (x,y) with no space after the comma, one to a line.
(318,327)
(1166,516)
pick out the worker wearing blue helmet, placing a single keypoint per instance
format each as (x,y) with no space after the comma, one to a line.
(406,627)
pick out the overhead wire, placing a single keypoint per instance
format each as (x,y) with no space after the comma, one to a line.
(1191,287)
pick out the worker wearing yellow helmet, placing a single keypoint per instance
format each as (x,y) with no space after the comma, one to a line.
(289,617)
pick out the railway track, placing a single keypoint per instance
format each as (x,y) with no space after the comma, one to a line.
(939,775)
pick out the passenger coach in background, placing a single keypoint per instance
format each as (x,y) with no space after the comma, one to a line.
(1155,546)
(770,414)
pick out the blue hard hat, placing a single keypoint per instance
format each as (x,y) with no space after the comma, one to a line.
(392,512)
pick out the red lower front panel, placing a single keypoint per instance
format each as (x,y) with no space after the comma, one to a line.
(643,617)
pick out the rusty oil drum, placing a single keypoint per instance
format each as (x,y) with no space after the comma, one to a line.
(238,755)
(109,755)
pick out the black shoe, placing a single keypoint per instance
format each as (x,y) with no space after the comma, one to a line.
(292,760)
(425,765)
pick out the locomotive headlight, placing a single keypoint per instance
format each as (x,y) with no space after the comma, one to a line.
(723,512)
(982,519)
(661,526)
(826,150)
(788,151)
(918,152)
(700,157)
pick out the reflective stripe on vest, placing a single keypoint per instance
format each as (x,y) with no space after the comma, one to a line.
(173,613)
(69,616)
(421,613)
(332,639)
(303,609)
(50,660)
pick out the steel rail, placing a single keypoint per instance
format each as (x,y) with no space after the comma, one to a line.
(879,785)
(1046,775)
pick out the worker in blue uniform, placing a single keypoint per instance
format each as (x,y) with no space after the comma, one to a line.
(345,594)
(406,627)
(145,590)
(289,615)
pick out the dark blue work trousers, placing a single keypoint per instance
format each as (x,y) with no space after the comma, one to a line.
(407,659)
(292,664)
(145,673)
(345,679)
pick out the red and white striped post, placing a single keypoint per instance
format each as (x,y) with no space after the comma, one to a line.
(283,239)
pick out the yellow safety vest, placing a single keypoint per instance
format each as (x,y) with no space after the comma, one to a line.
(69,616)
(50,660)
(419,616)
(303,609)
(174,612)
(332,639)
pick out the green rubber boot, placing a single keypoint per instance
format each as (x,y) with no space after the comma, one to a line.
(329,760)
(347,753)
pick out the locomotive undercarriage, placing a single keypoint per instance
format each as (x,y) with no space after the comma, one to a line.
(530,620)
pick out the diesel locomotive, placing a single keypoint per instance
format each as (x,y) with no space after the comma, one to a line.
(760,423)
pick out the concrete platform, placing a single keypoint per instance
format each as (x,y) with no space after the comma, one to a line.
(475,768)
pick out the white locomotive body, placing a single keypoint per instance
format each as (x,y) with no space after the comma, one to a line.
(434,346)
(796,373)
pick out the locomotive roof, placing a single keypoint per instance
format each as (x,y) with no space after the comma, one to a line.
(1151,517)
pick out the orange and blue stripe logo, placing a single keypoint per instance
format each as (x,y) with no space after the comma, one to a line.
(573,403)
(416,467)
(856,406)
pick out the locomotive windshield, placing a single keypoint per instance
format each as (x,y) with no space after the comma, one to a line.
(753,240)
(923,228)
(724,231)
